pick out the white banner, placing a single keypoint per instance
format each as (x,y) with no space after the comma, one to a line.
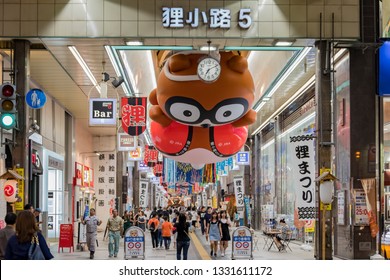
(199,200)
(143,193)
(301,152)
(239,191)
(204,199)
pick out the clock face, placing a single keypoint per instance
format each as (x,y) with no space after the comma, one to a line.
(209,69)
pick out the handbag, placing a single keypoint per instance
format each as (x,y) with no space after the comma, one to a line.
(35,252)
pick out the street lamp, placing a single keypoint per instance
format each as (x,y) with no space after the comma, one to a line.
(326,196)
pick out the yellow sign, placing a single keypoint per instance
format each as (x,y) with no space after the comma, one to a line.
(310,225)
(328,206)
(215,204)
(19,204)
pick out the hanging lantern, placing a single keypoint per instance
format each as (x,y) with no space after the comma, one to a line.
(10,190)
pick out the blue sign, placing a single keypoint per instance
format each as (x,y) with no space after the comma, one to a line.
(36,98)
(384,69)
(242,158)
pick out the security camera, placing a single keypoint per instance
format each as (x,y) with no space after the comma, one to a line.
(117,82)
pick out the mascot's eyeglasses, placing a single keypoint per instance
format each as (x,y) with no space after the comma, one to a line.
(189,111)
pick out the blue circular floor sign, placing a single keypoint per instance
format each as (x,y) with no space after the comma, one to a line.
(35,98)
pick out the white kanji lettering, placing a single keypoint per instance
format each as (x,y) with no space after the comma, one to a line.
(219,18)
(173,17)
(244,19)
(193,18)
(166,19)
(204,17)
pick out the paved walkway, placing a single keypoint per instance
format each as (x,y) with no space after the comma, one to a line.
(199,250)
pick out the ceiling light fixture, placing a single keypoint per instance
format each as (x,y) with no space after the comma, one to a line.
(208,48)
(116,67)
(85,67)
(284,43)
(134,43)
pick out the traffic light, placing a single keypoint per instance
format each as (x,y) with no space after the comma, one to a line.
(8,106)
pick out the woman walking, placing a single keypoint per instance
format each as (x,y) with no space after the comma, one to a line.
(224,224)
(26,230)
(183,239)
(214,233)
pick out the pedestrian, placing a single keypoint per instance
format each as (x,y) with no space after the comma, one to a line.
(183,238)
(26,230)
(153,227)
(7,232)
(159,230)
(201,215)
(141,220)
(127,221)
(224,224)
(92,222)
(214,233)
(115,231)
(174,220)
(29,207)
(166,232)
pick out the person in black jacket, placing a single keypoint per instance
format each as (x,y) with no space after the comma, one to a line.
(183,238)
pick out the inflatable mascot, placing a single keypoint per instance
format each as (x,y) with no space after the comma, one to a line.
(202,106)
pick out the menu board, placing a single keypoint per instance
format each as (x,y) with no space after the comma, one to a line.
(361,212)
(66,236)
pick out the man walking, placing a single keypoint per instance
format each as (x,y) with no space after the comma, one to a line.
(115,231)
(153,227)
(7,232)
(92,223)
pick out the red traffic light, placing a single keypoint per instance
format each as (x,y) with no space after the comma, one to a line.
(8,91)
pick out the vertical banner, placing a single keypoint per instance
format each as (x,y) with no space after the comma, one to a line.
(19,204)
(151,156)
(134,115)
(369,186)
(78,173)
(204,199)
(143,193)
(199,200)
(247,209)
(301,153)
(239,191)
(158,194)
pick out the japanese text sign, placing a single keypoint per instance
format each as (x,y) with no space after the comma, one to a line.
(301,152)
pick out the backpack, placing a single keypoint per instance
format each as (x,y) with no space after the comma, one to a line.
(152,226)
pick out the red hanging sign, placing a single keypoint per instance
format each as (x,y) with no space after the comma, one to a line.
(134,115)
(157,169)
(150,155)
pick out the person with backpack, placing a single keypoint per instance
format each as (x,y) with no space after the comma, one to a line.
(153,227)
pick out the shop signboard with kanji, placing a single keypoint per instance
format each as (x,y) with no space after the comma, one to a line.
(143,193)
(134,115)
(301,152)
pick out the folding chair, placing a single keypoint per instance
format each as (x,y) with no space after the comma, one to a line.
(286,241)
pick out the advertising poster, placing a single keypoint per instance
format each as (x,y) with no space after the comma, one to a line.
(19,204)
(361,213)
